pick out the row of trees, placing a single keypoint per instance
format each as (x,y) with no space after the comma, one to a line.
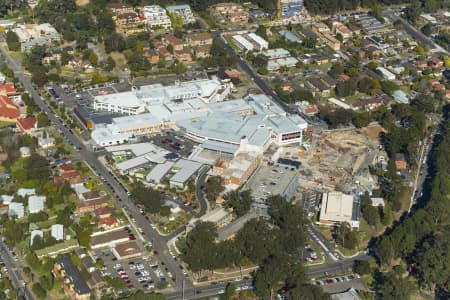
(275,245)
(421,240)
(335,6)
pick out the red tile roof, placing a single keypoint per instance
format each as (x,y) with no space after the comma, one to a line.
(8,89)
(66,167)
(27,123)
(173,40)
(103,211)
(8,109)
(109,221)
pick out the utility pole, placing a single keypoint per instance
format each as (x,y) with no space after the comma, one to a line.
(182,289)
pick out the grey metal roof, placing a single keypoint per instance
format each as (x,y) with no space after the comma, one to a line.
(73,275)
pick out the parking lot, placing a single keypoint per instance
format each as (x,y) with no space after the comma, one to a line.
(174,143)
(101,90)
(135,272)
(341,284)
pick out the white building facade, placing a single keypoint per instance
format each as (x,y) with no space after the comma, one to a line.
(156,16)
(184,11)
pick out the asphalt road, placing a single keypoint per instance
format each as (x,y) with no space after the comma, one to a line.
(256,78)
(159,242)
(14,272)
(416,34)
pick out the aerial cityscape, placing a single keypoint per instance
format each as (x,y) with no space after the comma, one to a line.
(205,149)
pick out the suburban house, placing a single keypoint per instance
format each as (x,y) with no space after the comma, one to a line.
(120,8)
(26,125)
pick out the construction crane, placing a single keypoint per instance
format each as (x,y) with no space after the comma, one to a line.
(278,10)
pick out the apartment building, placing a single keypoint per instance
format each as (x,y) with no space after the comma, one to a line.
(156,16)
(33,34)
(74,285)
(232,13)
(120,8)
(184,11)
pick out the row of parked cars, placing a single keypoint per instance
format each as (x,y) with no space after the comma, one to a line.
(336,279)
(122,274)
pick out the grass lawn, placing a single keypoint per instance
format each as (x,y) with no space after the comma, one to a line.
(4,124)
(119,59)
(347,252)
(352,99)
(16,55)
(369,280)
(67,71)
(232,43)
(47,223)
(405,199)
(366,232)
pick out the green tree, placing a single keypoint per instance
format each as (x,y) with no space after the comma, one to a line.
(177,21)
(336,70)
(39,291)
(76,260)
(84,236)
(116,283)
(150,198)
(365,85)
(42,120)
(346,237)
(345,88)
(389,87)
(392,287)
(432,262)
(413,11)
(46,282)
(65,58)
(37,168)
(13,41)
(262,32)
(230,291)
(427,29)
(105,23)
(139,295)
(362,119)
(213,188)
(263,71)
(110,64)
(93,59)
(239,201)
(377,12)
(362,267)
(165,211)
(39,76)
(178,68)
(431,6)
(200,247)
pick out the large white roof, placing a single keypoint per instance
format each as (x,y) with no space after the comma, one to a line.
(125,99)
(337,207)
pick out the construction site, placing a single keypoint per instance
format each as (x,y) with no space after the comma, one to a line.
(334,160)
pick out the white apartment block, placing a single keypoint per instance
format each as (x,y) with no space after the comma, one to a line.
(156,16)
(184,11)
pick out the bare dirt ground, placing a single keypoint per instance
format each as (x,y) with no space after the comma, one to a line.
(81,2)
(334,158)
(373,132)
